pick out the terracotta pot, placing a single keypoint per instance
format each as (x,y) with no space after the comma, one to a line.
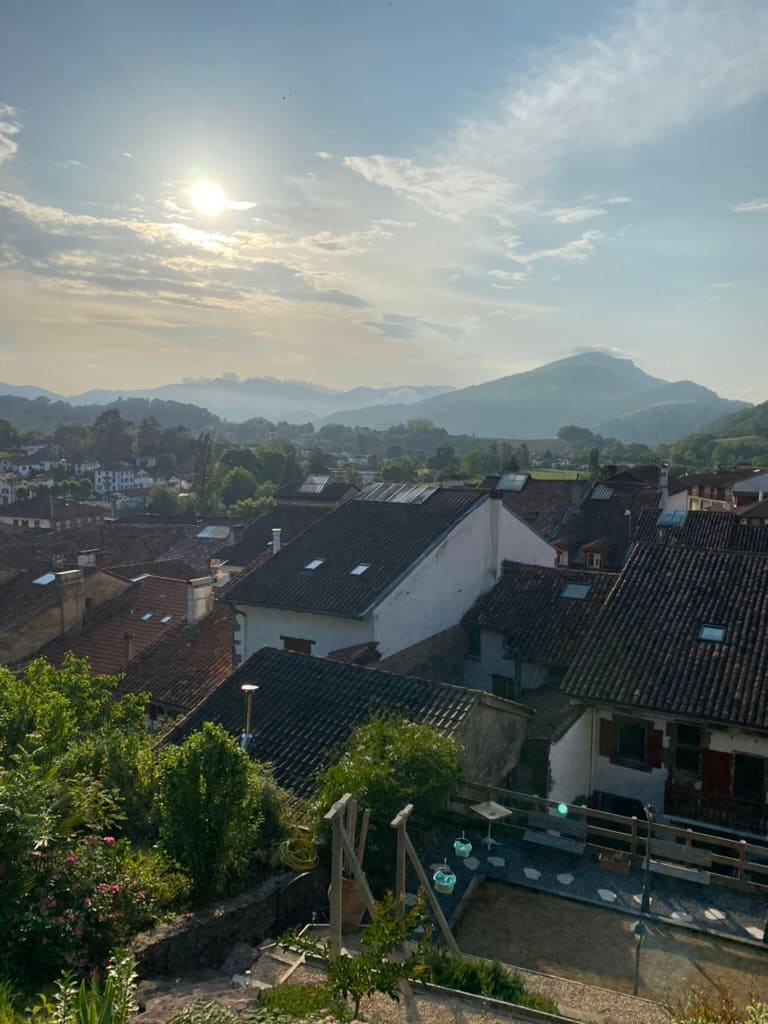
(352,905)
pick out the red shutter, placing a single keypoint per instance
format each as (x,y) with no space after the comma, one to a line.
(654,748)
(715,773)
(608,736)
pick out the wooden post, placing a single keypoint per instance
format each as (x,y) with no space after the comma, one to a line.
(336,818)
(742,857)
(445,928)
(399,824)
(633,838)
(363,834)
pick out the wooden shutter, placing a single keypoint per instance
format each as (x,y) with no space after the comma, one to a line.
(715,773)
(608,737)
(654,748)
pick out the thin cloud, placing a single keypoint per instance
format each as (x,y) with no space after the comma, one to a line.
(9,129)
(574,214)
(753,206)
(619,199)
(239,204)
(323,155)
(575,251)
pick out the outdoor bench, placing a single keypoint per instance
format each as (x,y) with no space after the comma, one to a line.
(556,832)
(678,861)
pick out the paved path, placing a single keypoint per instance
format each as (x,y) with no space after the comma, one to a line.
(708,908)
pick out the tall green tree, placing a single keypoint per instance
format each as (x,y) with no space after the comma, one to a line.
(163,501)
(238,485)
(112,441)
(210,809)
(203,473)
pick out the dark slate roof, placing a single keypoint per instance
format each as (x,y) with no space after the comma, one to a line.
(600,523)
(257,536)
(125,543)
(540,625)
(644,652)
(715,531)
(170,569)
(40,508)
(331,494)
(757,510)
(388,537)
(102,639)
(186,664)
(305,709)
(21,599)
(544,504)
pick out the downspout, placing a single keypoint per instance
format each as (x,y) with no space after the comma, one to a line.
(591,751)
(495,511)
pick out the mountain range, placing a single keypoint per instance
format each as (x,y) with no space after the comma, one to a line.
(610,395)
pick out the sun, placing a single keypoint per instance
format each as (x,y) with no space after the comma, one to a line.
(207,198)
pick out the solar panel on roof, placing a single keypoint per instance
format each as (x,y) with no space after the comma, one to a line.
(397,494)
(601,492)
(672,517)
(213,533)
(513,482)
(315,483)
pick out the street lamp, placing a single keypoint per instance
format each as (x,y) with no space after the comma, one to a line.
(248,689)
(639,931)
(645,901)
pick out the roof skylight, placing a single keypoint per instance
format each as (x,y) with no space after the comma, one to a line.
(712,634)
(45,579)
(146,616)
(360,569)
(315,563)
(166,618)
(576,591)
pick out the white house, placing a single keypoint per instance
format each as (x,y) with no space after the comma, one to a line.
(142,478)
(674,690)
(392,567)
(110,479)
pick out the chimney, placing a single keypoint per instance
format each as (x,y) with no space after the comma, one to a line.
(199,598)
(277,533)
(128,637)
(607,471)
(761,496)
(104,559)
(70,594)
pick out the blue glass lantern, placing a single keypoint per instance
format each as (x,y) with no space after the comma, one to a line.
(462,847)
(444,880)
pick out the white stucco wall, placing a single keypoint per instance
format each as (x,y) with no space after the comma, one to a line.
(264,627)
(644,785)
(569,761)
(493,661)
(448,581)
(735,741)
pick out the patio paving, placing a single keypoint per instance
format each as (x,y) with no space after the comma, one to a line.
(708,908)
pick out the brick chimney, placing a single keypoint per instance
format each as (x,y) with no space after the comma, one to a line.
(199,598)
(277,533)
(71,600)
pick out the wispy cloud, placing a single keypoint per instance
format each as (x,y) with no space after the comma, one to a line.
(574,214)
(577,250)
(323,155)
(399,325)
(616,200)
(753,206)
(9,129)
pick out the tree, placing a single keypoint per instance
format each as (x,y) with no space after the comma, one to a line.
(238,485)
(444,460)
(166,463)
(576,437)
(523,456)
(389,763)
(111,438)
(319,461)
(210,809)
(163,501)
(593,467)
(244,458)
(9,435)
(84,487)
(378,965)
(291,473)
(400,472)
(148,436)
(203,467)
(251,508)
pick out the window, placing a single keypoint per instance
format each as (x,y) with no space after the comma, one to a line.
(562,558)
(712,634)
(296,644)
(473,641)
(688,749)
(360,569)
(630,747)
(594,560)
(315,563)
(576,591)
(166,618)
(749,778)
(146,616)
(504,686)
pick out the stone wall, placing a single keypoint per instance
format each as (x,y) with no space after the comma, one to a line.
(196,941)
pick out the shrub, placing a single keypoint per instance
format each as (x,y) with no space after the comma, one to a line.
(482,978)
(300,1000)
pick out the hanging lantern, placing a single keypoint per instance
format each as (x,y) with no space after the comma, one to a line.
(462,847)
(444,880)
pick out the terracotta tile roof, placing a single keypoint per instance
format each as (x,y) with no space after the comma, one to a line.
(715,531)
(186,664)
(644,650)
(22,599)
(540,624)
(40,508)
(600,522)
(125,543)
(305,709)
(387,537)
(103,640)
(257,536)
(544,504)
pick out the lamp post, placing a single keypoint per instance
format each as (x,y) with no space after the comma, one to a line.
(645,901)
(248,689)
(639,931)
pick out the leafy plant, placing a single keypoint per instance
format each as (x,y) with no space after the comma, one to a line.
(300,1000)
(110,1002)
(380,964)
(714,1006)
(483,978)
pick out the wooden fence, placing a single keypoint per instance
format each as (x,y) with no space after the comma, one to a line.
(735,862)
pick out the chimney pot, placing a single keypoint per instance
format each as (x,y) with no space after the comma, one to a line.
(277,533)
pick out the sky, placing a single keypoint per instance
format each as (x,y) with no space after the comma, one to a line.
(381,192)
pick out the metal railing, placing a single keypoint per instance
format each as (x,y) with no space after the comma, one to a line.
(735,862)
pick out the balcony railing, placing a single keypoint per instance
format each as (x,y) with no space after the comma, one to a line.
(724,812)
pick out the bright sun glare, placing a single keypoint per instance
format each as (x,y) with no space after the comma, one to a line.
(207,198)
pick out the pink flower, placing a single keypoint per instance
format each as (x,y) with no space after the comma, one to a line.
(109,840)
(72,859)
(88,902)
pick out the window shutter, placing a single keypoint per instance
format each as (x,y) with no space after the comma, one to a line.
(654,748)
(608,734)
(715,773)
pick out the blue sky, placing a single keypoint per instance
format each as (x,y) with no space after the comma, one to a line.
(410,192)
